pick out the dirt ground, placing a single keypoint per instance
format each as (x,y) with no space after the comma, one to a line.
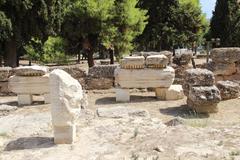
(26,133)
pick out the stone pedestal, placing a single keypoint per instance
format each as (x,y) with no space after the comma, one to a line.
(122,95)
(64,134)
(25,99)
(47,98)
(161,93)
(67,99)
(174,92)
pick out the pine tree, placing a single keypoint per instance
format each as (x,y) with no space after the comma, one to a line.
(28,19)
(225,23)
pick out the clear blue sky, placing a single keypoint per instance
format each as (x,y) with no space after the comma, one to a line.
(208,6)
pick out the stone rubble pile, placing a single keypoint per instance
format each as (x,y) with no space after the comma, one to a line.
(202,95)
(152,72)
(225,63)
(5,73)
(100,77)
(181,63)
(228,89)
(29,81)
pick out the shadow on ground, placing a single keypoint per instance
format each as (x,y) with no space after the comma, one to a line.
(15,103)
(182,111)
(29,143)
(133,99)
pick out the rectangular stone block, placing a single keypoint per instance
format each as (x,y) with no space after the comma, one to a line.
(157,61)
(225,55)
(31,71)
(161,93)
(199,77)
(25,99)
(144,78)
(137,62)
(29,85)
(122,95)
(64,134)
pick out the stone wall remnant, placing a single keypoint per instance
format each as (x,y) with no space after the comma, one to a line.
(228,89)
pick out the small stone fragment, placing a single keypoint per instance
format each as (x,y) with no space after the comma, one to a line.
(228,89)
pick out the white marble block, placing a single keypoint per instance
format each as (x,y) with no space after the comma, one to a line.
(122,95)
(137,62)
(25,99)
(66,101)
(144,78)
(174,92)
(29,85)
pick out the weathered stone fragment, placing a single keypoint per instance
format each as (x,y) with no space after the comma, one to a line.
(121,112)
(168,54)
(98,83)
(225,55)
(31,71)
(228,89)
(66,101)
(183,58)
(157,61)
(199,77)
(29,85)
(204,98)
(103,71)
(137,62)
(174,92)
(224,69)
(144,78)
(5,73)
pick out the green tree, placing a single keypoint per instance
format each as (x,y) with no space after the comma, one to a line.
(130,22)
(93,24)
(29,19)
(225,23)
(172,23)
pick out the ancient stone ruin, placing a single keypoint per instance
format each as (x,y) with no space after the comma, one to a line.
(67,100)
(152,72)
(29,81)
(225,63)
(228,89)
(5,73)
(202,95)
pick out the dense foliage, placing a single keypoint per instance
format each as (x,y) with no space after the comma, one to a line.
(225,23)
(172,23)
(113,24)
(27,19)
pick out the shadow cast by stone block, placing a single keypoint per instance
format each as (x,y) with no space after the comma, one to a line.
(29,143)
(183,111)
(133,99)
(15,103)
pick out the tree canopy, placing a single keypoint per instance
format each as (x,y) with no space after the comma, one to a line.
(27,19)
(172,23)
(225,23)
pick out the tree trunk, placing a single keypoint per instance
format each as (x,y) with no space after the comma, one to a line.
(111,52)
(79,57)
(90,58)
(10,57)
(0,60)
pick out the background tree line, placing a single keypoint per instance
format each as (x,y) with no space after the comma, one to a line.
(51,30)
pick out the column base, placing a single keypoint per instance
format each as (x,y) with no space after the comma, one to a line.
(24,99)
(122,95)
(64,134)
